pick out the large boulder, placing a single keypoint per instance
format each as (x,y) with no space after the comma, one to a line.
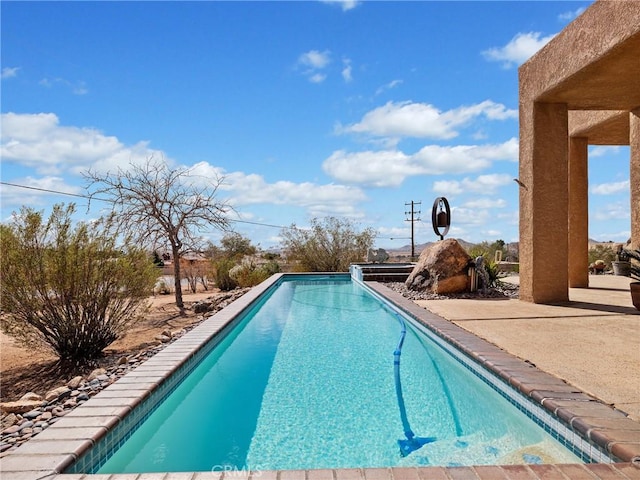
(442,268)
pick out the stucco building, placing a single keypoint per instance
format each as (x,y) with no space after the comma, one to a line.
(581,89)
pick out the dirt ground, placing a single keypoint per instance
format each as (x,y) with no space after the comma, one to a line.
(25,370)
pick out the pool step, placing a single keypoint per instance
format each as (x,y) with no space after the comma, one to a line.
(386,272)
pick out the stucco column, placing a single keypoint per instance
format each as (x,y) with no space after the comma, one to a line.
(578,212)
(544,202)
(634,175)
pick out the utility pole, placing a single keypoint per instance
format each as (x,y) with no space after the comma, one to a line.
(414,218)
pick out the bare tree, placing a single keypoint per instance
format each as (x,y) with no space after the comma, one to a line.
(159,205)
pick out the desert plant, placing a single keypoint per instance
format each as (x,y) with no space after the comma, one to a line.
(494,272)
(602,252)
(161,288)
(235,246)
(487,250)
(329,245)
(157,261)
(223,280)
(634,258)
(272,267)
(71,287)
(248,274)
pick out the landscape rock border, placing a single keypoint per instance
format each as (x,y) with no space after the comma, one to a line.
(24,418)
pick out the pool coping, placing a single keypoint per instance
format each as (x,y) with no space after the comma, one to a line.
(59,446)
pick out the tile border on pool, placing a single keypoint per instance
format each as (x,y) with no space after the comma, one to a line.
(587,451)
(597,423)
(60,445)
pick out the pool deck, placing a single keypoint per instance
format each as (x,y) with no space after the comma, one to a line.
(592,342)
(53,450)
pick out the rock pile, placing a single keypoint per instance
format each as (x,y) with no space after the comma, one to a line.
(32,413)
(213,304)
(501,290)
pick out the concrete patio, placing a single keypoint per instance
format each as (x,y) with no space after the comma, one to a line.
(591,341)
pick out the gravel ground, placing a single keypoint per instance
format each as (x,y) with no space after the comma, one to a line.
(501,290)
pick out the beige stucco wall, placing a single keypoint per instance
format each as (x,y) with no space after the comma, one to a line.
(578,212)
(634,177)
(577,90)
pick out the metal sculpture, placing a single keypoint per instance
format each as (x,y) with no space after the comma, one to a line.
(441,216)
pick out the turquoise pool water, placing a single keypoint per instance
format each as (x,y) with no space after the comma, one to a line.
(306,380)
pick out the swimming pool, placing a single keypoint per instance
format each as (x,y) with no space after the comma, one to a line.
(306,379)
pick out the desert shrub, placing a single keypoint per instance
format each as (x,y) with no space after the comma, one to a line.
(329,245)
(488,250)
(248,274)
(233,262)
(70,287)
(157,261)
(161,288)
(271,268)
(223,279)
(602,252)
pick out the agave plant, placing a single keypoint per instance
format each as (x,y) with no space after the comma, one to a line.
(634,258)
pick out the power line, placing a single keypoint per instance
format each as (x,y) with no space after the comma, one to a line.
(260,224)
(52,191)
(88,197)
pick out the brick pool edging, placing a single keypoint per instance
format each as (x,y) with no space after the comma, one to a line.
(60,445)
(609,428)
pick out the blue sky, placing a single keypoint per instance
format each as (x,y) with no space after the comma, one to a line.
(305,108)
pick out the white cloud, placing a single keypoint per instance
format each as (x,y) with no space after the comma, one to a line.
(346,71)
(447,187)
(346,5)
(389,168)
(468,216)
(396,233)
(313,62)
(485,184)
(610,188)
(252,189)
(621,237)
(613,211)
(392,84)
(317,78)
(518,50)
(39,141)
(421,120)
(9,72)
(485,203)
(380,169)
(77,88)
(568,16)
(80,88)
(603,150)
(315,59)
